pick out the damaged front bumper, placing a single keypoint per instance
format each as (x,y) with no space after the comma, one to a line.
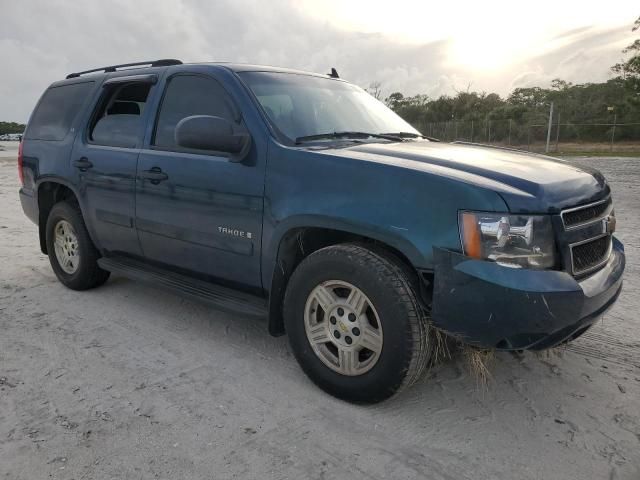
(491,306)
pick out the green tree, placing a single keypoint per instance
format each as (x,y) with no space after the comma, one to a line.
(629,70)
(11,127)
(531,97)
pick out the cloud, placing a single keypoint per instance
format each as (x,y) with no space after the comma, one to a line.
(43,40)
(581,56)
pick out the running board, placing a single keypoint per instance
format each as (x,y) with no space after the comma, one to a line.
(223,298)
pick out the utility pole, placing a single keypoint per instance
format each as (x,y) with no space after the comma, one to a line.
(549,128)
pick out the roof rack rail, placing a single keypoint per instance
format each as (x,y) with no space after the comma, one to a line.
(165,62)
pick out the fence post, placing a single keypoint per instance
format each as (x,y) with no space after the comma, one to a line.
(509,132)
(613,131)
(455,135)
(557,130)
(488,131)
(471,131)
(528,138)
(549,128)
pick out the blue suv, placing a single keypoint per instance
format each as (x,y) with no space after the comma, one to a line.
(300,198)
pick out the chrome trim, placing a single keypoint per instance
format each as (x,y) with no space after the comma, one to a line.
(593,267)
(583,207)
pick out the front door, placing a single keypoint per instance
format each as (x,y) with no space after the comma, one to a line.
(105,157)
(196,210)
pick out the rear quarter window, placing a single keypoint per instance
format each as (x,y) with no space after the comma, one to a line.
(57,110)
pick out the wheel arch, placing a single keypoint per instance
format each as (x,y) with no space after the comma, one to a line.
(298,242)
(48,193)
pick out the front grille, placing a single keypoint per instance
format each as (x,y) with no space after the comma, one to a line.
(585,240)
(591,254)
(581,215)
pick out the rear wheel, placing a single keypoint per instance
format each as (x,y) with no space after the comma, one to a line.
(355,324)
(72,255)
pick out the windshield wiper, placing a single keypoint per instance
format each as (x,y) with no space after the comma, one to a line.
(412,135)
(323,136)
(405,134)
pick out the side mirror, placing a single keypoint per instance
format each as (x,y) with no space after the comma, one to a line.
(205,132)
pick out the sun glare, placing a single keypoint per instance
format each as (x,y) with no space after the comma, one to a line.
(484,36)
(489,49)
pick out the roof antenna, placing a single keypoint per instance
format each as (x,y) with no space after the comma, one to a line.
(334,73)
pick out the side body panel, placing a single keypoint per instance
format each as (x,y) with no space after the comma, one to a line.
(106,192)
(206,217)
(409,210)
(49,161)
(107,189)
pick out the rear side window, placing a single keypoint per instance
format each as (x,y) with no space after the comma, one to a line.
(118,120)
(55,113)
(188,95)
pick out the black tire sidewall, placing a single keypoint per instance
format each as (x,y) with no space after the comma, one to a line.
(388,374)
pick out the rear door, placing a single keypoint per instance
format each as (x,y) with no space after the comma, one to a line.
(105,157)
(196,210)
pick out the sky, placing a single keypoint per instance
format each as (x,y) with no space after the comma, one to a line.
(426,47)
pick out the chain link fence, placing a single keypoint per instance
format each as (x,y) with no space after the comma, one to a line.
(564,137)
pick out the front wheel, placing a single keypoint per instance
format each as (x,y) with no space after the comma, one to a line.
(355,324)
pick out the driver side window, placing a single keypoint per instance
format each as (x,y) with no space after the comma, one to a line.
(187,95)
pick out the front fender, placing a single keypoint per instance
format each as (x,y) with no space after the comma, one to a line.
(406,209)
(390,236)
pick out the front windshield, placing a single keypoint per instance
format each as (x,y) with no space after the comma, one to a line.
(304,105)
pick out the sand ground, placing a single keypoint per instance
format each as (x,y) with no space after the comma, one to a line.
(126,381)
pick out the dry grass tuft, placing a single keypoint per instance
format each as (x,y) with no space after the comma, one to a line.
(441,349)
(478,362)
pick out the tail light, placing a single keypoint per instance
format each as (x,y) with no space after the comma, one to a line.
(20,166)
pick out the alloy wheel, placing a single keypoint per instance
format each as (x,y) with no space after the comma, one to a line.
(343,327)
(66,247)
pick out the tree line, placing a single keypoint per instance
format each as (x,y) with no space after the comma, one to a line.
(11,127)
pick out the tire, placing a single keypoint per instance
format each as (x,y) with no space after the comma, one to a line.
(83,272)
(404,336)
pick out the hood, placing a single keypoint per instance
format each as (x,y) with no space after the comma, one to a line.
(528,183)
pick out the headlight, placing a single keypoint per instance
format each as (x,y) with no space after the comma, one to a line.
(520,241)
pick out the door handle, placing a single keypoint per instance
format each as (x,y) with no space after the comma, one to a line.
(83,164)
(155,175)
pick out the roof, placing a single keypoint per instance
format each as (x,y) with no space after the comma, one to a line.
(136,67)
(248,67)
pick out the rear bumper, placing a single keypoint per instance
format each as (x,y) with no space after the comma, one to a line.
(491,306)
(29,204)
